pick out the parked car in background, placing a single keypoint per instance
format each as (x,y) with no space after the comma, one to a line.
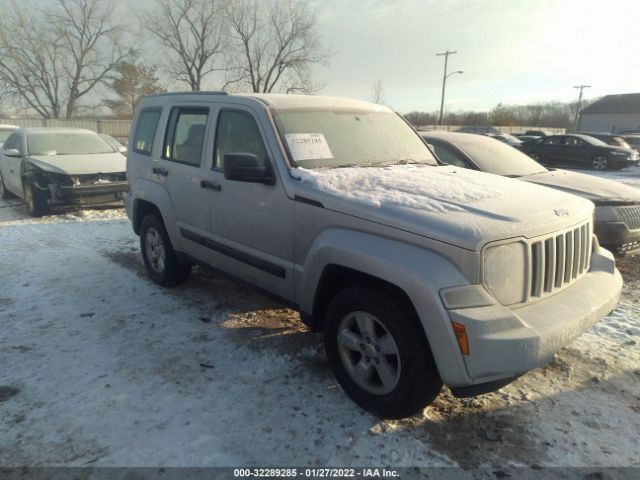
(5,131)
(525,138)
(581,151)
(632,140)
(114,143)
(617,215)
(61,166)
(610,139)
(535,133)
(417,274)
(504,138)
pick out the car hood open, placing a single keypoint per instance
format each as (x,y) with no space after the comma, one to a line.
(81,164)
(461,207)
(599,190)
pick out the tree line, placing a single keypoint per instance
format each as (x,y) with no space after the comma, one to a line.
(553,114)
(59,60)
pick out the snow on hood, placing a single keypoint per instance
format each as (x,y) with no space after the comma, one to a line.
(458,206)
(81,164)
(598,190)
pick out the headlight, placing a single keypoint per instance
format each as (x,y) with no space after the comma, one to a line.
(504,272)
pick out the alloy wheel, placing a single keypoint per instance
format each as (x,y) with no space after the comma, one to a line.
(600,163)
(154,249)
(369,353)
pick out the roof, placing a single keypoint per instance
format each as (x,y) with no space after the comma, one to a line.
(625,103)
(57,130)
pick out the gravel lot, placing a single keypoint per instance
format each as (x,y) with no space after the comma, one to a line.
(102,367)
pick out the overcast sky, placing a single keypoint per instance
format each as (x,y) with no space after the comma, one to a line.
(511,51)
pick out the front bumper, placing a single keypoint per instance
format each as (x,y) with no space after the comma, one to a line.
(618,227)
(87,194)
(505,343)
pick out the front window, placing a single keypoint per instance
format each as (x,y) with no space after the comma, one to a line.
(337,138)
(66,143)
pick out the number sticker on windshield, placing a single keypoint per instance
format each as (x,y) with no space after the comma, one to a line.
(308,146)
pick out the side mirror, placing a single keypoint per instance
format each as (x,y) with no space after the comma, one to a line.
(13,152)
(244,167)
(122,149)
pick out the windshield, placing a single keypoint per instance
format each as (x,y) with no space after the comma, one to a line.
(335,138)
(66,143)
(498,158)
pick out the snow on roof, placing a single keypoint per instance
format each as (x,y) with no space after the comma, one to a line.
(286,101)
(426,188)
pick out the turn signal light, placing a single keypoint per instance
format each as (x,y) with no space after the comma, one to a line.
(461,336)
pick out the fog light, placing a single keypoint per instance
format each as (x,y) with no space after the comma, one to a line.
(461,336)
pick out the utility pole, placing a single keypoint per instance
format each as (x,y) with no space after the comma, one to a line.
(444,79)
(581,88)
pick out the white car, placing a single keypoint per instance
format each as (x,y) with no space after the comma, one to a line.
(61,166)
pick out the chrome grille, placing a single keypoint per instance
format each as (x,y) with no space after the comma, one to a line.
(557,261)
(630,216)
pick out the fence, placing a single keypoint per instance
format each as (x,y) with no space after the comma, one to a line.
(490,128)
(118,129)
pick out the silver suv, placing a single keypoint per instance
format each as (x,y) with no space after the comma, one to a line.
(417,274)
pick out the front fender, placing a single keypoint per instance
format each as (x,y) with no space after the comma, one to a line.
(420,273)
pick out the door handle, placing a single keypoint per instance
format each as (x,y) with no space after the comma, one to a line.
(160,171)
(212,185)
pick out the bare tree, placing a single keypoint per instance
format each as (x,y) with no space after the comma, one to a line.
(377,94)
(193,31)
(275,45)
(50,59)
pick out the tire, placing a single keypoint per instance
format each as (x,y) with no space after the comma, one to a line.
(160,260)
(599,162)
(34,200)
(535,156)
(411,378)
(4,193)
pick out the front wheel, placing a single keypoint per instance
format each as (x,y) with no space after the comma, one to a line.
(379,352)
(600,163)
(160,260)
(35,200)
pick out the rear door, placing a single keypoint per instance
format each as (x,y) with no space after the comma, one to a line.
(551,150)
(180,167)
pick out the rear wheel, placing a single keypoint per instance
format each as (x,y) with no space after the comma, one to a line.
(35,200)
(535,156)
(160,260)
(600,162)
(379,352)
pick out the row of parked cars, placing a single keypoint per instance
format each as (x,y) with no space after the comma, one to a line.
(419,273)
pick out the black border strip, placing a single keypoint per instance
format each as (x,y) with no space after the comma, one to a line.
(255,262)
(308,201)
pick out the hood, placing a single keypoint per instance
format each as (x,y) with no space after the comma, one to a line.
(598,190)
(461,207)
(81,164)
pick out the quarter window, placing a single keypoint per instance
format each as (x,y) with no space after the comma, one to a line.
(146,130)
(12,142)
(238,132)
(448,156)
(185,135)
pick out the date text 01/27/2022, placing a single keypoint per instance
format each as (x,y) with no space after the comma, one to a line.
(315,473)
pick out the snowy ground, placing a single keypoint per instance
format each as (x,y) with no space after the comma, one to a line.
(99,366)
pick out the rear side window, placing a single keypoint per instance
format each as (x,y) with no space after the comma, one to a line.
(238,133)
(146,130)
(185,135)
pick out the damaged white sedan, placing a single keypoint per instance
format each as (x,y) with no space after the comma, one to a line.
(50,167)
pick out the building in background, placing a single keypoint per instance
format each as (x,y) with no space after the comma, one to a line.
(612,114)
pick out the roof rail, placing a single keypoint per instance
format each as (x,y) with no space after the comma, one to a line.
(188,93)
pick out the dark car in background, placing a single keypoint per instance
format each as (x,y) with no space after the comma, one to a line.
(617,214)
(504,138)
(581,151)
